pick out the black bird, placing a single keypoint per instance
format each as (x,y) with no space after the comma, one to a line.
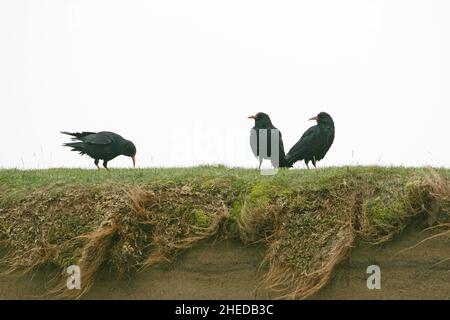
(314,143)
(262,121)
(103,145)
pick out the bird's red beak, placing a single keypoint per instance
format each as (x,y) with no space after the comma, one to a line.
(134,161)
(314,118)
(252,117)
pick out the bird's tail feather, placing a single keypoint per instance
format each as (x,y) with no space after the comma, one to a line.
(77,135)
(76,146)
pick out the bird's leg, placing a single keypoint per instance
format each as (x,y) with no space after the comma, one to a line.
(314,162)
(105,164)
(307,165)
(96,164)
(260,163)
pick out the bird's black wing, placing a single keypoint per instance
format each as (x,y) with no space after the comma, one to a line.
(327,141)
(102,145)
(78,135)
(297,152)
(102,138)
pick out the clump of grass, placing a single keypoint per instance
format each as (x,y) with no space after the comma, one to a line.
(171,229)
(43,226)
(259,210)
(313,233)
(431,196)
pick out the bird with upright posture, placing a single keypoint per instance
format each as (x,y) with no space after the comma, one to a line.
(103,145)
(262,121)
(314,143)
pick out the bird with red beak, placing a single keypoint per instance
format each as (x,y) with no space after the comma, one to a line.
(314,143)
(104,145)
(263,122)
(131,152)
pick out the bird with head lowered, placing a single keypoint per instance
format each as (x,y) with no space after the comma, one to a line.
(102,145)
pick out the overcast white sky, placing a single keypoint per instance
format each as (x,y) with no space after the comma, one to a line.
(179,78)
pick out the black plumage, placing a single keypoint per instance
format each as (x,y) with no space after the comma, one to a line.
(103,145)
(262,121)
(314,143)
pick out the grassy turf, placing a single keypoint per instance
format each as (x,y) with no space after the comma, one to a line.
(30,179)
(129,219)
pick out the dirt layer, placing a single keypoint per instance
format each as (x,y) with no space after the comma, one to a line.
(230,270)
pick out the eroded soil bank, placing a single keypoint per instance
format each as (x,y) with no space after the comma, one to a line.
(230,270)
(148,234)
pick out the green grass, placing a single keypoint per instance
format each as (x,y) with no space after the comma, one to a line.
(17,184)
(31,179)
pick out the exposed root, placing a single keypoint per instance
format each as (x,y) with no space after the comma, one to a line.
(256,224)
(94,255)
(301,270)
(295,284)
(199,234)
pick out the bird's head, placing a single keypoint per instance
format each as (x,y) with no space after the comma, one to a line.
(261,120)
(130,151)
(323,118)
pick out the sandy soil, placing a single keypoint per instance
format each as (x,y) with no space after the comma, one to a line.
(228,270)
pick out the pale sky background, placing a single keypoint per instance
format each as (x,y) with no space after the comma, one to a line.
(179,78)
